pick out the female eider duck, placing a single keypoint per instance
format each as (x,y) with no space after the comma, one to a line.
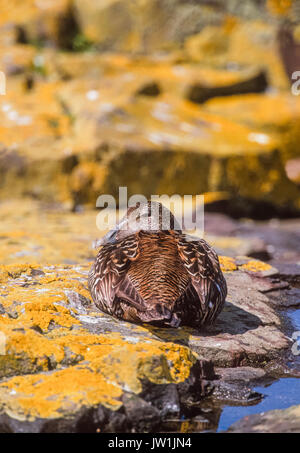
(148,271)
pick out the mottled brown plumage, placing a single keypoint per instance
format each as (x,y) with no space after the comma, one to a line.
(159,276)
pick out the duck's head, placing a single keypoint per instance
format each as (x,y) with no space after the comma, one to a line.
(150,216)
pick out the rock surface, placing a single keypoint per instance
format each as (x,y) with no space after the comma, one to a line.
(62,351)
(59,348)
(277,421)
(257,111)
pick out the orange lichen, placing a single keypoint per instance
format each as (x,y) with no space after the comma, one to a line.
(50,395)
(159,363)
(100,377)
(227,264)
(41,315)
(45,302)
(99,370)
(14,270)
(33,346)
(255,266)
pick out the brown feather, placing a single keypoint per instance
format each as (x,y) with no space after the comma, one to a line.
(159,277)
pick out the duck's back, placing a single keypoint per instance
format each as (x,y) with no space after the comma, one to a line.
(158,274)
(164,277)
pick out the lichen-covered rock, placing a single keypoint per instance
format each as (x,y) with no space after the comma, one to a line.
(74,359)
(153,134)
(124,113)
(237,44)
(141,25)
(256,110)
(152,25)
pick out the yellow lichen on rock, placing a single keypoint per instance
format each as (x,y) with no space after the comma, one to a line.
(255,266)
(257,111)
(14,271)
(227,264)
(49,396)
(32,117)
(45,331)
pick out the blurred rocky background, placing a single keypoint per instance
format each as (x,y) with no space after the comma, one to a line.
(160,96)
(163,97)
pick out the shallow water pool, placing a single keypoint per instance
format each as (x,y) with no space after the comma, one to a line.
(279,395)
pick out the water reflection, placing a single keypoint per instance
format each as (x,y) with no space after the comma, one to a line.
(280,395)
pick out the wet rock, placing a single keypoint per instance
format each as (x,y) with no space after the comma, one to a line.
(143,416)
(189,391)
(164,397)
(289,272)
(286,298)
(188,425)
(282,368)
(277,421)
(234,393)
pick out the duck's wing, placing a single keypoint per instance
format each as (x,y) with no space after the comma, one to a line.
(203,267)
(108,280)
